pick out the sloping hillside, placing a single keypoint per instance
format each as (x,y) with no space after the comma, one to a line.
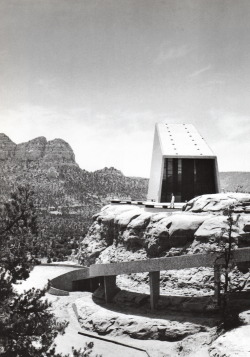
(235,181)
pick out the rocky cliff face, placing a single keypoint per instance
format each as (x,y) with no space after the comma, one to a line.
(7,147)
(134,229)
(32,150)
(59,151)
(39,149)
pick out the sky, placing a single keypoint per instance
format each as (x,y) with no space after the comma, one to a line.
(100,73)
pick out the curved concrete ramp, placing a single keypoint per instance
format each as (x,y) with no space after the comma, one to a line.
(65,281)
(42,273)
(58,292)
(88,279)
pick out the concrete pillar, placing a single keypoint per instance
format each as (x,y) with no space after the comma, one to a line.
(154,281)
(217,284)
(110,287)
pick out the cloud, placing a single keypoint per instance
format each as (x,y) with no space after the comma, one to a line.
(213,83)
(231,142)
(171,53)
(232,126)
(120,139)
(200,71)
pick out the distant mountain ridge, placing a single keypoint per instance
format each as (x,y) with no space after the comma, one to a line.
(235,181)
(36,149)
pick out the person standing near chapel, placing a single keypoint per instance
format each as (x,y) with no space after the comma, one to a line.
(172,201)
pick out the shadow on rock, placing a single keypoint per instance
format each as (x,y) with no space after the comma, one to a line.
(199,309)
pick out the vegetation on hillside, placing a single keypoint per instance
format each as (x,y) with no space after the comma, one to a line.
(235,181)
(66,198)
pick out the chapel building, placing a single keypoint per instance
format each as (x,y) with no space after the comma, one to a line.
(182,165)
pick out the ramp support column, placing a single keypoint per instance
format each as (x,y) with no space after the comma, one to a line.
(110,287)
(154,281)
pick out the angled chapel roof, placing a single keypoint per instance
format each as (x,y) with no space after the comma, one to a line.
(182,140)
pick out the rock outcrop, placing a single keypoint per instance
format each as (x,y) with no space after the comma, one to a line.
(58,150)
(32,150)
(7,147)
(131,228)
(39,149)
(231,344)
(218,202)
(109,171)
(96,318)
(129,232)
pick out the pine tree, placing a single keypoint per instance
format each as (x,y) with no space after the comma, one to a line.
(19,244)
(27,325)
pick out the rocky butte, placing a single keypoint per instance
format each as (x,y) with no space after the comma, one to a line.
(129,232)
(38,149)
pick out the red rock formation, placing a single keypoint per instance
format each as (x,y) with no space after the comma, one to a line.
(32,150)
(58,150)
(7,147)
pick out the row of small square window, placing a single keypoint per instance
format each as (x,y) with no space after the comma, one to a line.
(189,136)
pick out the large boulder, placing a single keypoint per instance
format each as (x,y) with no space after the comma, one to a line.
(105,231)
(218,202)
(111,212)
(214,230)
(119,253)
(170,231)
(235,343)
(134,234)
(132,229)
(96,319)
(215,227)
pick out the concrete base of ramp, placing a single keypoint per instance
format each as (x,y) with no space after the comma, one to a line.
(58,292)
